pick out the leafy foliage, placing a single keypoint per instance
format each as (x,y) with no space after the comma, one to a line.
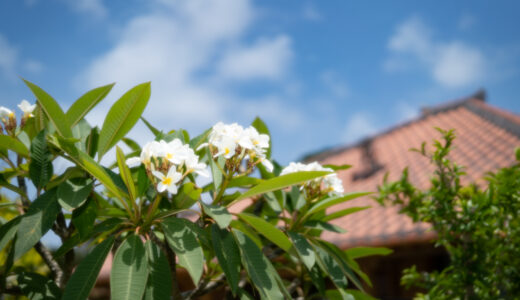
(154,215)
(478,226)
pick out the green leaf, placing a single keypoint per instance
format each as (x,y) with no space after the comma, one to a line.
(159,285)
(133,145)
(86,273)
(341,258)
(73,193)
(52,110)
(281,182)
(10,143)
(260,126)
(219,213)
(40,167)
(154,130)
(338,167)
(358,252)
(184,243)
(343,212)
(36,222)
(216,170)
(242,181)
(359,295)
(315,224)
(187,196)
(8,230)
(322,205)
(84,217)
(338,294)
(304,249)
(200,139)
(268,230)
(248,231)
(38,287)
(227,254)
(124,171)
(129,270)
(257,266)
(122,117)
(85,103)
(331,267)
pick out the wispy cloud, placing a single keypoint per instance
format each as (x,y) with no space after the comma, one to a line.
(95,8)
(11,63)
(449,63)
(311,13)
(337,87)
(466,22)
(358,126)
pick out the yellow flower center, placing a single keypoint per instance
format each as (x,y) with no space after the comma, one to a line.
(11,115)
(226,151)
(169,156)
(167,181)
(256,142)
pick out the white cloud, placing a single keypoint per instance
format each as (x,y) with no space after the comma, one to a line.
(33,66)
(185,48)
(466,22)
(450,64)
(8,58)
(335,84)
(358,126)
(310,13)
(406,111)
(266,59)
(458,65)
(94,8)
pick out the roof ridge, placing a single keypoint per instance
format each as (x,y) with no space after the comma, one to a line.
(476,103)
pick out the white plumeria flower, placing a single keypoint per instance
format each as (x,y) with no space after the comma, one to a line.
(133,162)
(258,141)
(226,147)
(26,108)
(193,165)
(331,183)
(169,181)
(267,164)
(5,114)
(174,151)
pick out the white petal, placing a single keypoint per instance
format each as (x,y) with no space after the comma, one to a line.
(268,165)
(158,175)
(133,162)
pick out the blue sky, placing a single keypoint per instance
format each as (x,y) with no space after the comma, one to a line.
(320,73)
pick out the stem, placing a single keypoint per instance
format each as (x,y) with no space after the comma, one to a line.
(47,257)
(223,187)
(153,207)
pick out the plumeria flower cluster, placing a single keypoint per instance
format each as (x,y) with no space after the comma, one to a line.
(169,162)
(8,117)
(235,143)
(329,184)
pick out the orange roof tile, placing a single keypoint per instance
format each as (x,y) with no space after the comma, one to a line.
(486,138)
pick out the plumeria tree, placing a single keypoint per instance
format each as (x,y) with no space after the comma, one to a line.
(172,203)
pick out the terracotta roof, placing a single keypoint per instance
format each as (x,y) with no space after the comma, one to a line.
(486,138)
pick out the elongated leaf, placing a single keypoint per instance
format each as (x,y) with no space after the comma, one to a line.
(304,249)
(73,193)
(159,285)
(338,167)
(40,167)
(343,212)
(124,171)
(122,117)
(154,130)
(331,267)
(227,254)
(219,213)
(8,230)
(85,275)
(260,126)
(36,222)
(341,258)
(242,181)
(339,294)
(268,230)
(200,139)
(319,206)
(315,224)
(38,287)
(133,145)
(10,143)
(86,102)
(184,243)
(257,267)
(187,196)
(281,182)
(91,166)
(52,110)
(248,231)
(84,217)
(359,295)
(216,170)
(129,270)
(359,252)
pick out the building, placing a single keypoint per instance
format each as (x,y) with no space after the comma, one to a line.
(486,138)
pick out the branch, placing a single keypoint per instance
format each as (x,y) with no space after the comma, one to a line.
(204,288)
(47,257)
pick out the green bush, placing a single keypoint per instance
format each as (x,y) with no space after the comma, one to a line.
(479,226)
(140,205)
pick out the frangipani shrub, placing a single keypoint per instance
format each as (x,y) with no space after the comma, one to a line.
(150,209)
